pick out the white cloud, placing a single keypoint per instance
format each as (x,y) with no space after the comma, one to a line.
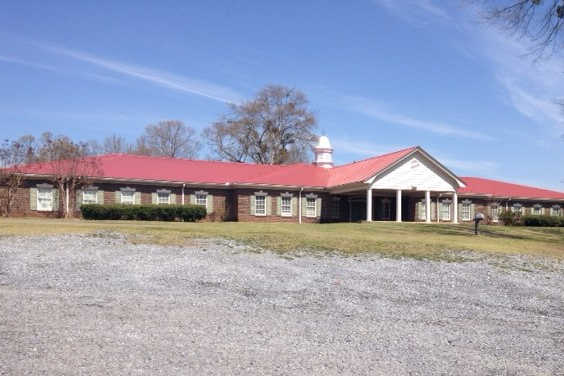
(365,149)
(163,79)
(362,148)
(50,68)
(375,110)
(530,86)
(15,60)
(413,11)
(470,167)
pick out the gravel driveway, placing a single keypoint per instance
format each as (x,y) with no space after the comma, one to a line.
(98,305)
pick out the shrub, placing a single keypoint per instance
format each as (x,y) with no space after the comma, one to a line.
(186,213)
(509,218)
(543,221)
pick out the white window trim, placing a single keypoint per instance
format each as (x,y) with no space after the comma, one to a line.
(466,214)
(200,194)
(423,212)
(127,202)
(442,212)
(159,194)
(495,218)
(517,208)
(94,191)
(282,212)
(50,199)
(307,208)
(535,208)
(263,214)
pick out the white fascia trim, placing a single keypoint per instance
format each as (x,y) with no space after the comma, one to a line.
(372,178)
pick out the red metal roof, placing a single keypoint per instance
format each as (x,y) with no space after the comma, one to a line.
(364,169)
(138,167)
(147,168)
(481,186)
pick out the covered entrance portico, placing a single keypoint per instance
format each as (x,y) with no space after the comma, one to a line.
(398,205)
(416,188)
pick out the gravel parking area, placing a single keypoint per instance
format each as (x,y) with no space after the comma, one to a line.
(98,305)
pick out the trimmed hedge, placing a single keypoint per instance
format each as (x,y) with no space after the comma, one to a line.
(542,221)
(186,213)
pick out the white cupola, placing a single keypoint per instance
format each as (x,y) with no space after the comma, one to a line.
(323,153)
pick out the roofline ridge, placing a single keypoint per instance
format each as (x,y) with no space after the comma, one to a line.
(508,182)
(164,157)
(378,156)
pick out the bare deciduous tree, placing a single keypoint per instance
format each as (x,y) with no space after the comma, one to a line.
(170,138)
(141,147)
(13,154)
(229,140)
(274,128)
(93,147)
(70,164)
(539,20)
(115,144)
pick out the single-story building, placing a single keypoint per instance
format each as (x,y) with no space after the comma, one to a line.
(405,185)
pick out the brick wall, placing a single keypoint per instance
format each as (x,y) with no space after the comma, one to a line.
(243,202)
(21,206)
(231,205)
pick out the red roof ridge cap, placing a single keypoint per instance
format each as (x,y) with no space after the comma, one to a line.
(378,156)
(508,182)
(164,157)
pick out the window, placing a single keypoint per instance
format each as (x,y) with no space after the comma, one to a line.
(556,210)
(537,210)
(128,197)
(163,198)
(517,208)
(89,196)
(45,199)
(386,209)
(311,207)
(466,211)
(335,207)
(201,198)
(494,212)
(286,206)
(445,210)
(260,205)
(422,211)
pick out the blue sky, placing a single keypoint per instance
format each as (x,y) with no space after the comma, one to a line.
(380,75)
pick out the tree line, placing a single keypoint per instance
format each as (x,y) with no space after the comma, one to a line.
(274,127)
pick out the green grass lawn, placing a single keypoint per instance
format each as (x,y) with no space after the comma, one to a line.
(389,238)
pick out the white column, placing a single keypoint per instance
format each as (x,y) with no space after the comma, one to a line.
(398,205)
(300,206)
(428,206)
(438,211)
(67,197)
(369,205)
(455,207)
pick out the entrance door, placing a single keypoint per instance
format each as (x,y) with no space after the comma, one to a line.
(358,210)
(386,209)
